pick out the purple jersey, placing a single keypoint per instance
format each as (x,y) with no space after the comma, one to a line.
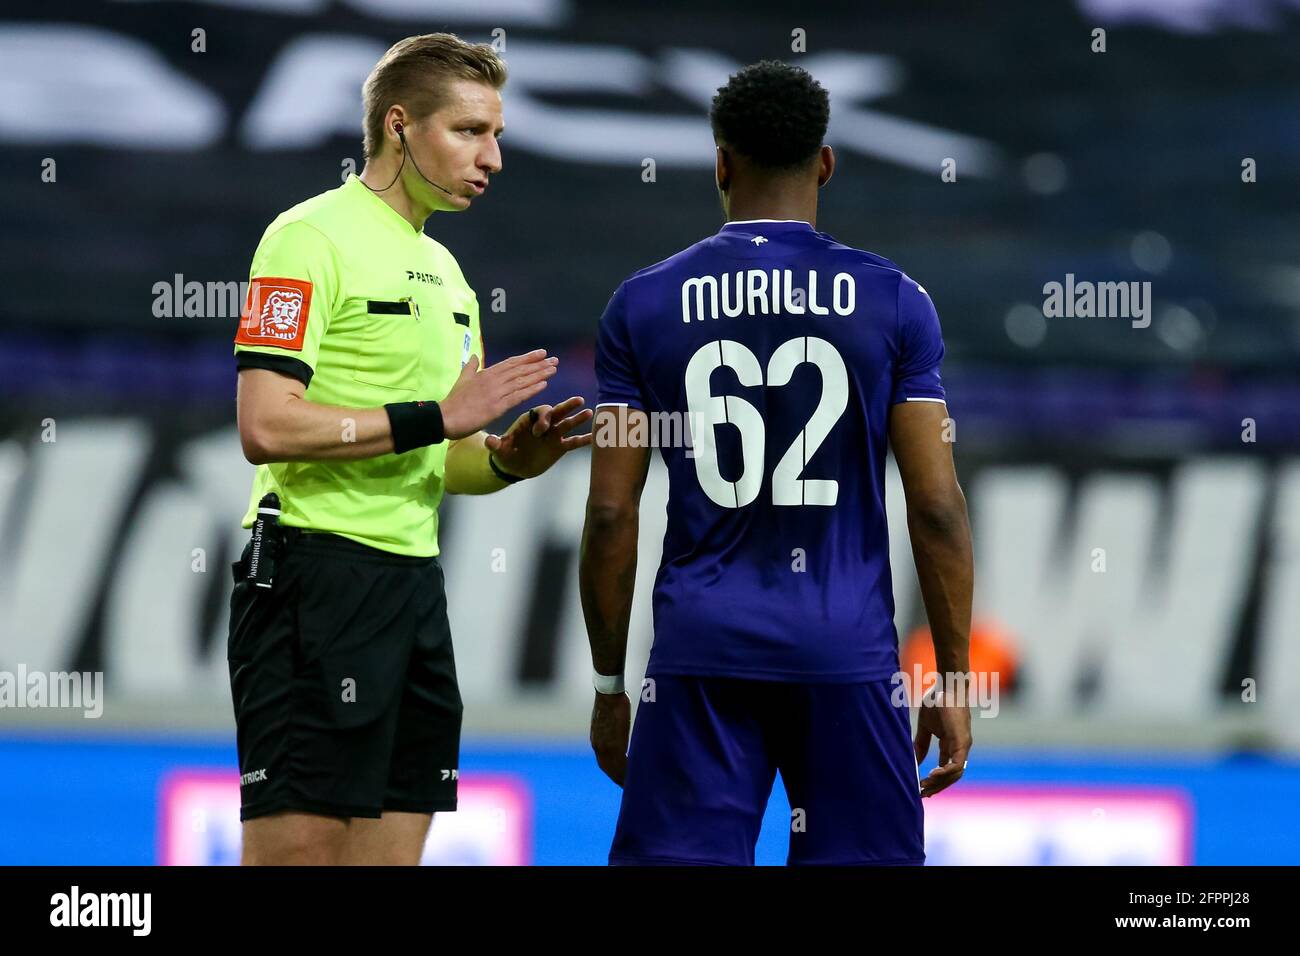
(779,351)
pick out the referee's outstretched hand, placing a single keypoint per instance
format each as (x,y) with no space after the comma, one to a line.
(481,397)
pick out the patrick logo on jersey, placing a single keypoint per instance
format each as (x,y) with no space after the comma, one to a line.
(766,292)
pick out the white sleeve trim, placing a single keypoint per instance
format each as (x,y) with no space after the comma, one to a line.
(941,401)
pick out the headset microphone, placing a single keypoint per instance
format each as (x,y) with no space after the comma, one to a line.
(397,128)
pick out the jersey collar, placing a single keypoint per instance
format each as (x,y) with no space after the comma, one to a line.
(390,214)
(784,224)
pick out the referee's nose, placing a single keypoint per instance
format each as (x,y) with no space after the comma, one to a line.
(489,160)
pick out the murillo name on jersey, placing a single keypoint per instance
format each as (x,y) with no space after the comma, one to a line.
(763,292)
(776,555)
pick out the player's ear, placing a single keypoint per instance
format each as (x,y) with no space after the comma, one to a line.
(722,169)
(826,166)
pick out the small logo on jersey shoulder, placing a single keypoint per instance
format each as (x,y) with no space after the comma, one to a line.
(758,240)
(428,277)
(275,313)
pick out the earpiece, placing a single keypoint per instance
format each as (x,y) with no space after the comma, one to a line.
(397,128)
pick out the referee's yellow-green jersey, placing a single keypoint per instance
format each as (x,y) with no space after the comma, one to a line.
(346,296)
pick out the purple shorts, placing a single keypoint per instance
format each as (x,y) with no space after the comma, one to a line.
(705,752)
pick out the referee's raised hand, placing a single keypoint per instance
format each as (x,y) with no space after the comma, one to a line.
(480,397)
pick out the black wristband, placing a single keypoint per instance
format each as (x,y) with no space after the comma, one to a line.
(504,476)
(415,424)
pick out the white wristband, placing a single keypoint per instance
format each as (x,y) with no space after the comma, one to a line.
(607,685)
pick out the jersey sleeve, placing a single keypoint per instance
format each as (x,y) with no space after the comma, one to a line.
(617,379)
(920,347)
(292,287)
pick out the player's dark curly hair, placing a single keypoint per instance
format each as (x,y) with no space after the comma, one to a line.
(772,113)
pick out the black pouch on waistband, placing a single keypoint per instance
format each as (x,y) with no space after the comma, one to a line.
(265,547)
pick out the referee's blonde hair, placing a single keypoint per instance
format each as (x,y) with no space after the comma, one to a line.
(414,72)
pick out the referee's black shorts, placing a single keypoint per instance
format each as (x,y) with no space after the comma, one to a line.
(343,681)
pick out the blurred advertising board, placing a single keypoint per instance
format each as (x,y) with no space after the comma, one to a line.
(198,822)
(1046,826)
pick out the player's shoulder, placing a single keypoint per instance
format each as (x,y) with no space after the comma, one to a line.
(887,274)
(640,285)
(665,268)
(869,262)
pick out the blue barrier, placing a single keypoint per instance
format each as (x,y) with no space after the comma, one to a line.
(69,800)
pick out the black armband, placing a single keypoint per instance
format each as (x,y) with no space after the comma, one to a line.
(415,424)
(503,475)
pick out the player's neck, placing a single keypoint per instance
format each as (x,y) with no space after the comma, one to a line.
(744,205)
(377,176)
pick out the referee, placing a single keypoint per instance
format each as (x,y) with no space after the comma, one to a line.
(361,400)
